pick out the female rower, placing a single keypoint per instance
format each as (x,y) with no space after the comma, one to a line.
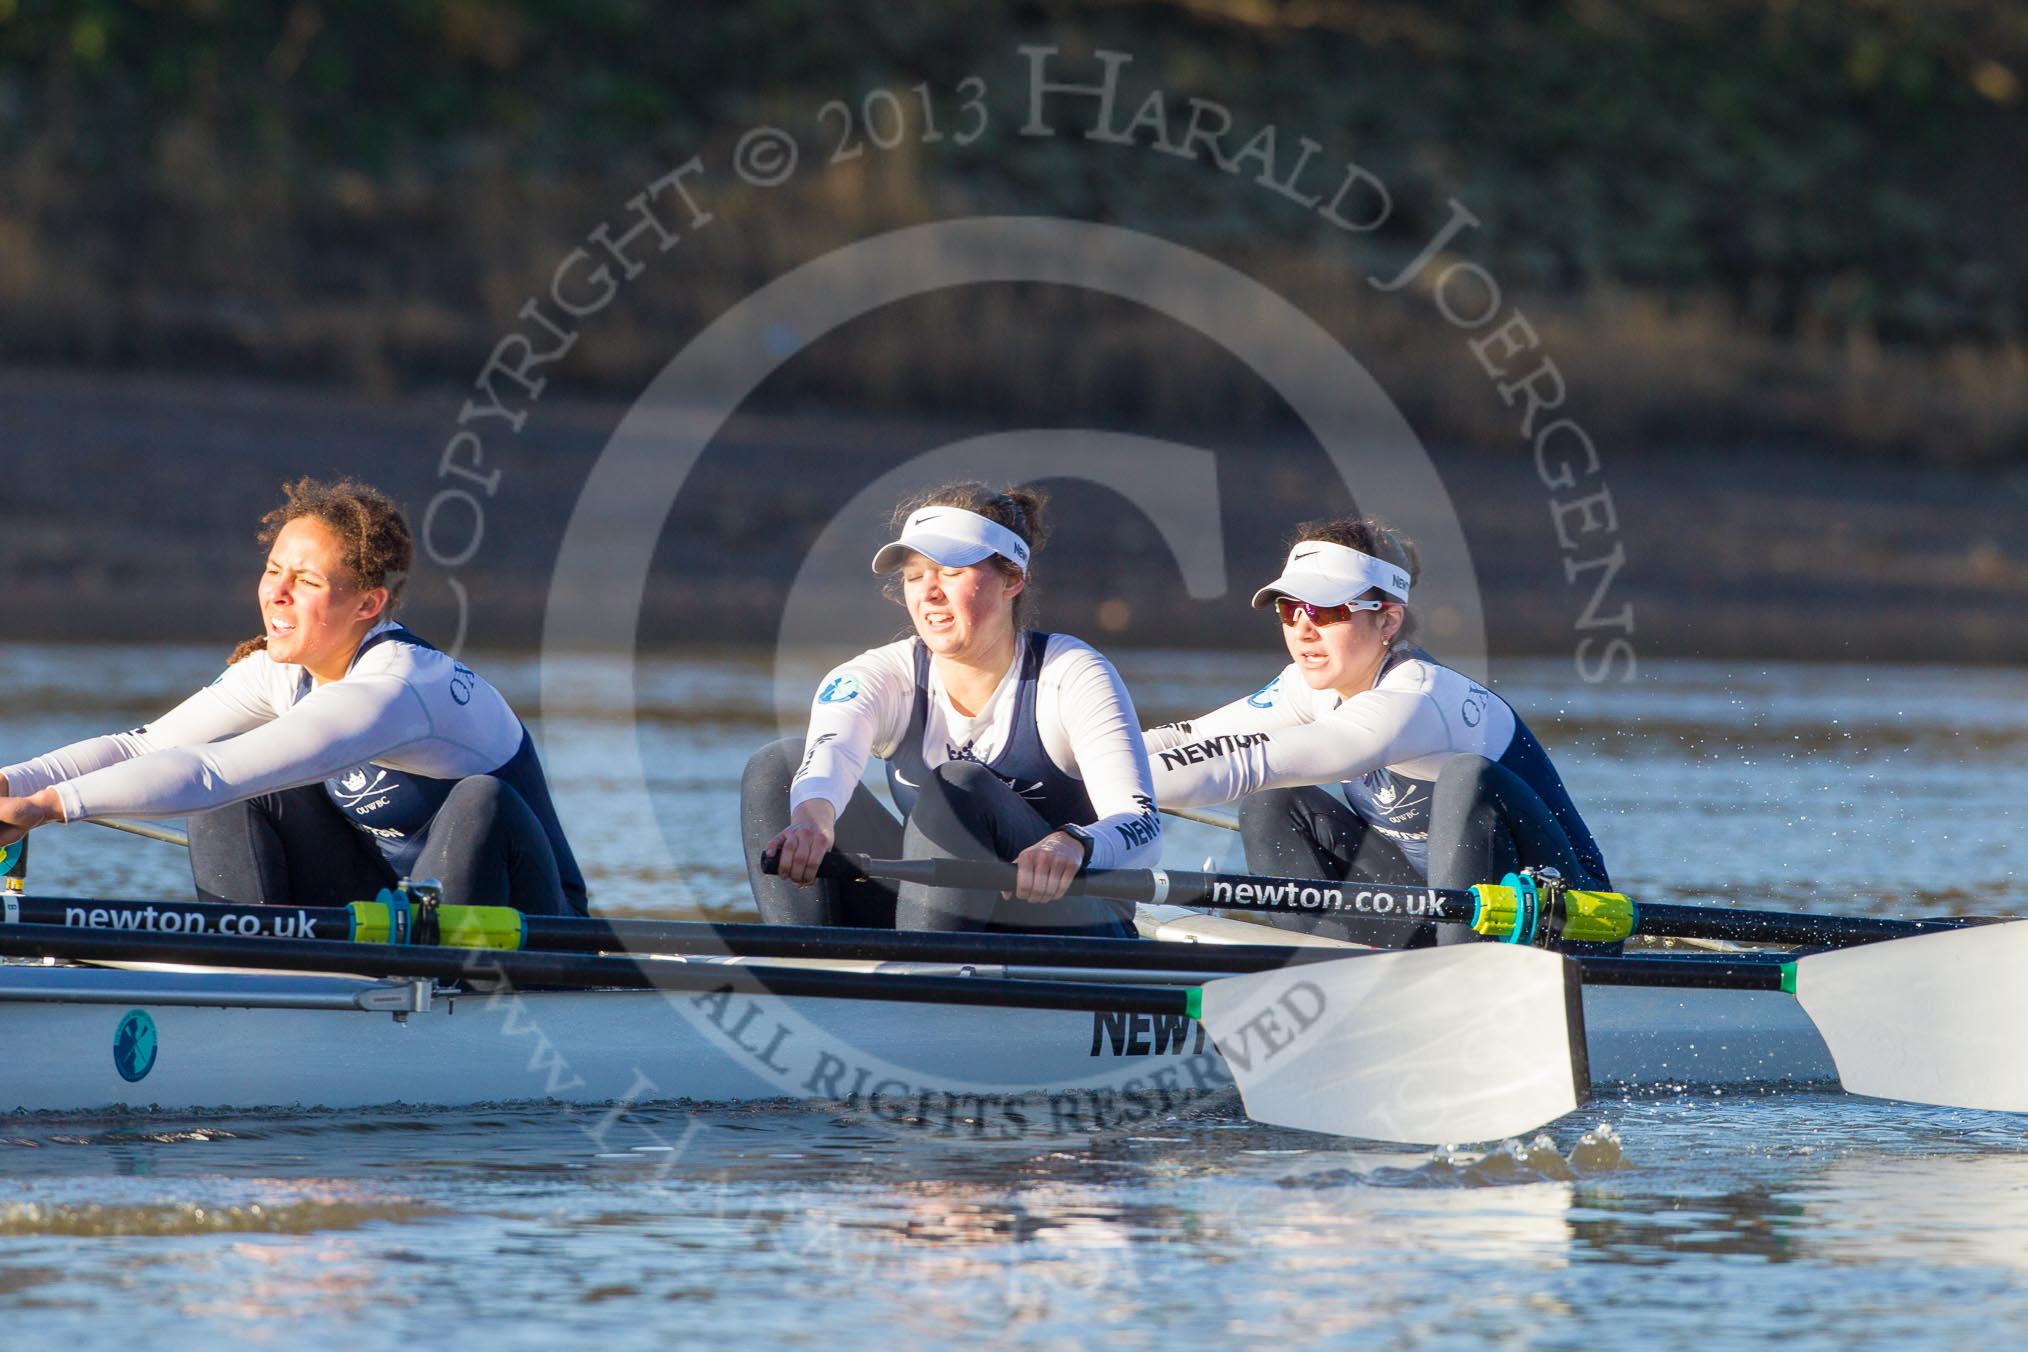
(338,753)
(1445,784)
(1001,742)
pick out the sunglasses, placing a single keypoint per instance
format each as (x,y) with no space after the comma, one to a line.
(1289,608)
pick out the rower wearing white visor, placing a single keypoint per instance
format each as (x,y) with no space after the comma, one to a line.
(1437,779)
(1000,742)
(337,753)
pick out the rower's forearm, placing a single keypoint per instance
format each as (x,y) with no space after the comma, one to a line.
(207,717)
(170,783)
(71,762)
(819,813)
(1130,839)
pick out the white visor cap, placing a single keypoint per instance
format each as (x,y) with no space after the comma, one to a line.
(952,537)
(1325,574)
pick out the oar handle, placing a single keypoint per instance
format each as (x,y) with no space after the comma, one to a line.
(1153,886)
(973,874)
(1150,886)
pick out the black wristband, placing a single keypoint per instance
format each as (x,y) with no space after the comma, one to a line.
(1083,838)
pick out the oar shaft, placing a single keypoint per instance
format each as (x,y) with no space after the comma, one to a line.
(1780,927)
(575,971)
(1388,909)
(815,941)
(139,924)
(145,921)
(1382,906)
(143,830)
(1394,911)
(1203,818)
(1680,971)
(580,969)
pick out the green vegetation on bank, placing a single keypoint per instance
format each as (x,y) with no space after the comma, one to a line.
(1730,220)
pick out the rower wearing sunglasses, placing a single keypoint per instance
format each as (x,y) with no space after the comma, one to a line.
(1001,742)
(1442,783)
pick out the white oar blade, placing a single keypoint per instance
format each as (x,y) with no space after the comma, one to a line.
(1437,1046)
(1932,1019)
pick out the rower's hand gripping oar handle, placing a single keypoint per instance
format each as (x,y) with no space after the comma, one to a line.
(982,875)
(845,866)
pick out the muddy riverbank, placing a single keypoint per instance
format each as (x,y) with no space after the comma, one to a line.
(131,502)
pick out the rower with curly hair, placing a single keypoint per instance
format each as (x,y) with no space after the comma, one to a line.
(338,752)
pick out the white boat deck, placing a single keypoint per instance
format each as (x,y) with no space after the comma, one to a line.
(84,1040)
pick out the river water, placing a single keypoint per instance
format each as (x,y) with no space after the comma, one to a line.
(1678,1219)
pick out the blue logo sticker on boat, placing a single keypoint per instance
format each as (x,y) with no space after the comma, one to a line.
(9,853)
(134,1046)
(839,690)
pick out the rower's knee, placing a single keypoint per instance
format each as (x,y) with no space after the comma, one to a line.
(958,812)
(227,827)
(1463,782)
(480,798)
(476,791)
(1273,816)
(957,793)
(1269,805)
(770,769)
(967,777)
(217,823)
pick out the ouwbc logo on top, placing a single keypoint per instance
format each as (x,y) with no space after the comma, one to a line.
(839,690)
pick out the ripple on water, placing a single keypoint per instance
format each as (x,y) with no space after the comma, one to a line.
(99,1220)
(1805,1215)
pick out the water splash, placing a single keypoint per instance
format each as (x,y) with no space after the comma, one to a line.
(1512,1162)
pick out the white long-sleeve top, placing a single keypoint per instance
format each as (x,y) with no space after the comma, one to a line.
(263,726)
(1385,745)
(1083,714)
